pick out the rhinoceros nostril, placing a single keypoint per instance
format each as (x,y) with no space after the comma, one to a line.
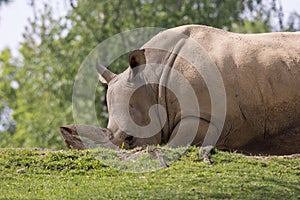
(129,138)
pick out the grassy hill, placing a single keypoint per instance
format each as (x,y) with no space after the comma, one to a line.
(46,174)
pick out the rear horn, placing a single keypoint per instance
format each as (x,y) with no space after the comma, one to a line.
(105,75)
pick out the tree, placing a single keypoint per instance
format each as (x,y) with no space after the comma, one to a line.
(4,2)
(8,87)
(53,50)
(293,22)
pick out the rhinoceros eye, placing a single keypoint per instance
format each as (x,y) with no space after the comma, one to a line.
(131,109)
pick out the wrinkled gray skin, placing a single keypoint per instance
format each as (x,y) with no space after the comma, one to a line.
(261,75)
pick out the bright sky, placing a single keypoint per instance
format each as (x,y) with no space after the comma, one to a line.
(14,17)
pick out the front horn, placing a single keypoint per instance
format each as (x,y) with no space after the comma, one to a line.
(105,75)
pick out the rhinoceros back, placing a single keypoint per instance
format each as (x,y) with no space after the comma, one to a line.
(261,74)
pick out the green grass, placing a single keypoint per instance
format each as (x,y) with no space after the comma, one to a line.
(44,174)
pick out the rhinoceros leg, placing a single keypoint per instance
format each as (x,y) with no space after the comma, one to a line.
(86,136)
(184,134)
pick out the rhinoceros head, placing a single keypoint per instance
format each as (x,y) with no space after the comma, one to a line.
(130,103)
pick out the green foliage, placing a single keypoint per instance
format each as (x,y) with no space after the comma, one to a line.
(8,86)
(53,50)
(8,72)
(42,174)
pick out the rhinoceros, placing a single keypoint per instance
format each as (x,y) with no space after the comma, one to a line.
(260,76)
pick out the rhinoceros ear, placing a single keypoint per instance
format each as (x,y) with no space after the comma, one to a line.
(137,58)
